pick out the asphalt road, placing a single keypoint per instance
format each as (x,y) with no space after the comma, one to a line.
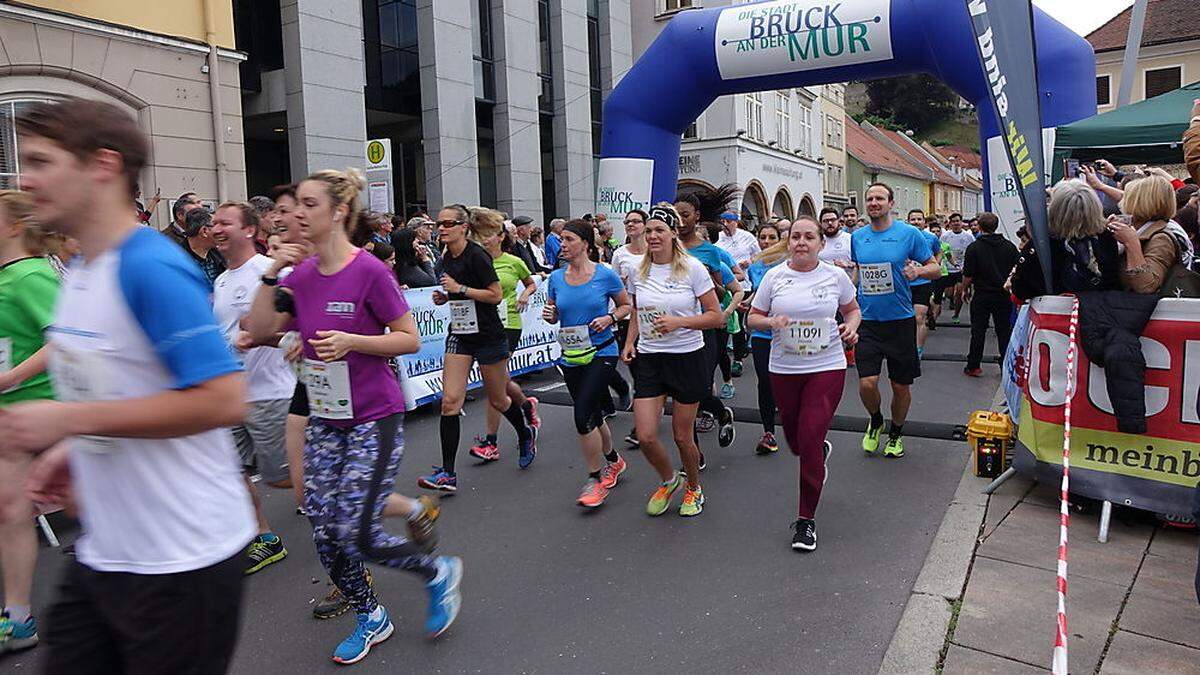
(551,588)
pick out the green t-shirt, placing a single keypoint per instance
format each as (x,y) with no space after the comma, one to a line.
(511,271)
(28,289)
(945,255)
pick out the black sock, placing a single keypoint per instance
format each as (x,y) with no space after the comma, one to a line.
(517,418)
(876,420)
(527,407)
(612,456)
(896,431)
(449,434)
(594,475)
(490,438)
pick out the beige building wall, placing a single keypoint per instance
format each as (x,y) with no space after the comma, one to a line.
(180,18)
(1186,55)
(833,112)
(161,81)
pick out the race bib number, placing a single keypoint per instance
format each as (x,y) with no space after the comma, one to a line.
(502,309)
(876,279)
(463,320)
(328,389)
(807,337)
(574,338)
(646,317)
(80,376)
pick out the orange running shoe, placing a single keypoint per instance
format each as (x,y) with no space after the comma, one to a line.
(594,493)
(611,471)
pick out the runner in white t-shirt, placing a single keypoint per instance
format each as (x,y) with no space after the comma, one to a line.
(146,389)
(836,250)
(674,302)
(958,239)
(626,262)
(799,301)
(270,381)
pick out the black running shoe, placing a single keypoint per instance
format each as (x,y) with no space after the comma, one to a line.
(805,538)
(335,604)
(631,439)
(728,433)
(703,462)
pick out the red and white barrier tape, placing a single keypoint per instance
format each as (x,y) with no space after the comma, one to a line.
(1064,516)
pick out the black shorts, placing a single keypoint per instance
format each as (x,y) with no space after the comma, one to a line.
(112,622)
(922,293)
(484,353)
(299,401)
(683,377)
(589,392)
(895,341)
(952,279)
(514,339)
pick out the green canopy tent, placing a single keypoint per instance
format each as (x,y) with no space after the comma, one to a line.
(1146,132)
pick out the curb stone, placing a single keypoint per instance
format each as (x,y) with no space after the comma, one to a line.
(918,640)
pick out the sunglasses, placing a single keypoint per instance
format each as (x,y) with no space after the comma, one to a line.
(450,223)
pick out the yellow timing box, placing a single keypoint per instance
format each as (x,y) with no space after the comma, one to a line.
(990,436)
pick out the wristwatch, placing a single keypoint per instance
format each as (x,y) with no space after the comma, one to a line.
(613,317)
(269,281)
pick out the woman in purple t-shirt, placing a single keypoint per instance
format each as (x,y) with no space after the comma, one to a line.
(352,318)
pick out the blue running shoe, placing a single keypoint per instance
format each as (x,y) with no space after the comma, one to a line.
(366,634)
(15,636)
(444,596)
(528,449)
(441,480)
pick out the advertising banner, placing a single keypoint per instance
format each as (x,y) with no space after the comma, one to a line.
(1004,184)
(1156,471)
(624,184)
(1004,40)
(421,373)
(789,36)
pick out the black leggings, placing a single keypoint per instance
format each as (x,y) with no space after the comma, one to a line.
(761,349)
(741,339)
(723,356)
(589,390)
(712,337)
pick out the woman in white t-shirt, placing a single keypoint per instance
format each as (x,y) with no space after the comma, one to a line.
(626,261)
(798,302)
(674,302)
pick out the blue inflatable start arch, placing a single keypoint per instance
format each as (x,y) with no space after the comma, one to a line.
(706,53)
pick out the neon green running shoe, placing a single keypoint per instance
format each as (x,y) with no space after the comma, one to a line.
(693,502)
(661,499)
(871,439)
(894,447)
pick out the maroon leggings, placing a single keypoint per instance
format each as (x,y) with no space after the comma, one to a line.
(806,406)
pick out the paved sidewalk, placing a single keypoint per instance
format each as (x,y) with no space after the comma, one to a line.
(1131,603)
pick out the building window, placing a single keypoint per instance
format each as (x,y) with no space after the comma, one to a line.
(672,6)
(754,122)
(833,132)
(806,129)
(783,117)
(392,61)
(1103,89)
(545,59)
(597,94)
(692,132)
(1162,80)
(546,112)
(484,56)
(834,175)
(10,163)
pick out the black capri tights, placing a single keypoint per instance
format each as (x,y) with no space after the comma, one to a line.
(761,349)
(589,390)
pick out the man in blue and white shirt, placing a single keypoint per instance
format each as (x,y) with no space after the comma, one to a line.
(146,388)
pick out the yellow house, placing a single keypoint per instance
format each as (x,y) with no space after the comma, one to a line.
(165,63)
(1169,56)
